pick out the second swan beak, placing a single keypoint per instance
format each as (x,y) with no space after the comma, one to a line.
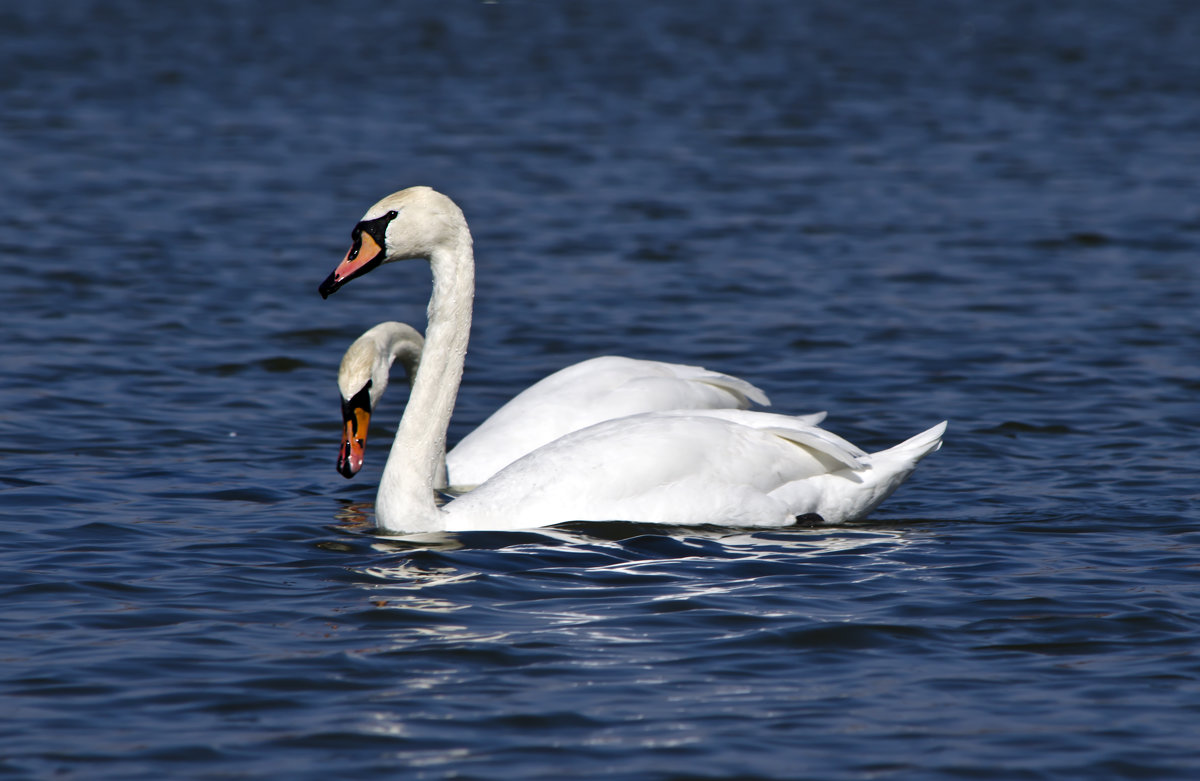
(356,418)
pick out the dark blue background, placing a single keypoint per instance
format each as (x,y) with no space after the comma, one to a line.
(899,212)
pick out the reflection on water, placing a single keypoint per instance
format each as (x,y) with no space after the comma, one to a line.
(409,575)
(356,516)
(572,584)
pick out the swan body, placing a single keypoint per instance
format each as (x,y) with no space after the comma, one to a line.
(576,397)
(725,466)
(691,469)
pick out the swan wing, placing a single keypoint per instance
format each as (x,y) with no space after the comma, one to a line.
(671,468)
(584,394)
(802,430)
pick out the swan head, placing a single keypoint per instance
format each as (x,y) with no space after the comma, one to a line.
(362,379)
(412,223)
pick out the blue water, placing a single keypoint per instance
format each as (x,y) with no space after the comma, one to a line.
(898,212)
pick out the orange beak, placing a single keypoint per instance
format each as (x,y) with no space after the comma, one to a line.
(356,417)
(364,255)
(354,440)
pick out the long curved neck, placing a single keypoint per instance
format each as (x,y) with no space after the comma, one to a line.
(405,502)
(406,348)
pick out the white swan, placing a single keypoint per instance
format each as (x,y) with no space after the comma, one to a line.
(576,397)
(732,467)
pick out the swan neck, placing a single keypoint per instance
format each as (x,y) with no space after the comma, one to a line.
(408,354)
(416,463)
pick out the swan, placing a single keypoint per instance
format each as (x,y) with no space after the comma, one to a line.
(691,467)
(572,398)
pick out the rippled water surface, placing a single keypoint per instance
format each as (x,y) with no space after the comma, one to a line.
(895,212)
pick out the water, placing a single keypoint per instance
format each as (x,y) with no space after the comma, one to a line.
(896,212)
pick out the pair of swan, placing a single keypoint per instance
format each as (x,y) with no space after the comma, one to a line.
(708,462)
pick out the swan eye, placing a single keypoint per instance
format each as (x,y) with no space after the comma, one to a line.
(376,229)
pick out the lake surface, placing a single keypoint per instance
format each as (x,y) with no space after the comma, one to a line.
(895,212)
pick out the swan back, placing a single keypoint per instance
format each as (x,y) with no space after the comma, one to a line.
(582,395)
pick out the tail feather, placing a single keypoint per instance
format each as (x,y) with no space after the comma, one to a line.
(736,385)
(916,447)
(850,495)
